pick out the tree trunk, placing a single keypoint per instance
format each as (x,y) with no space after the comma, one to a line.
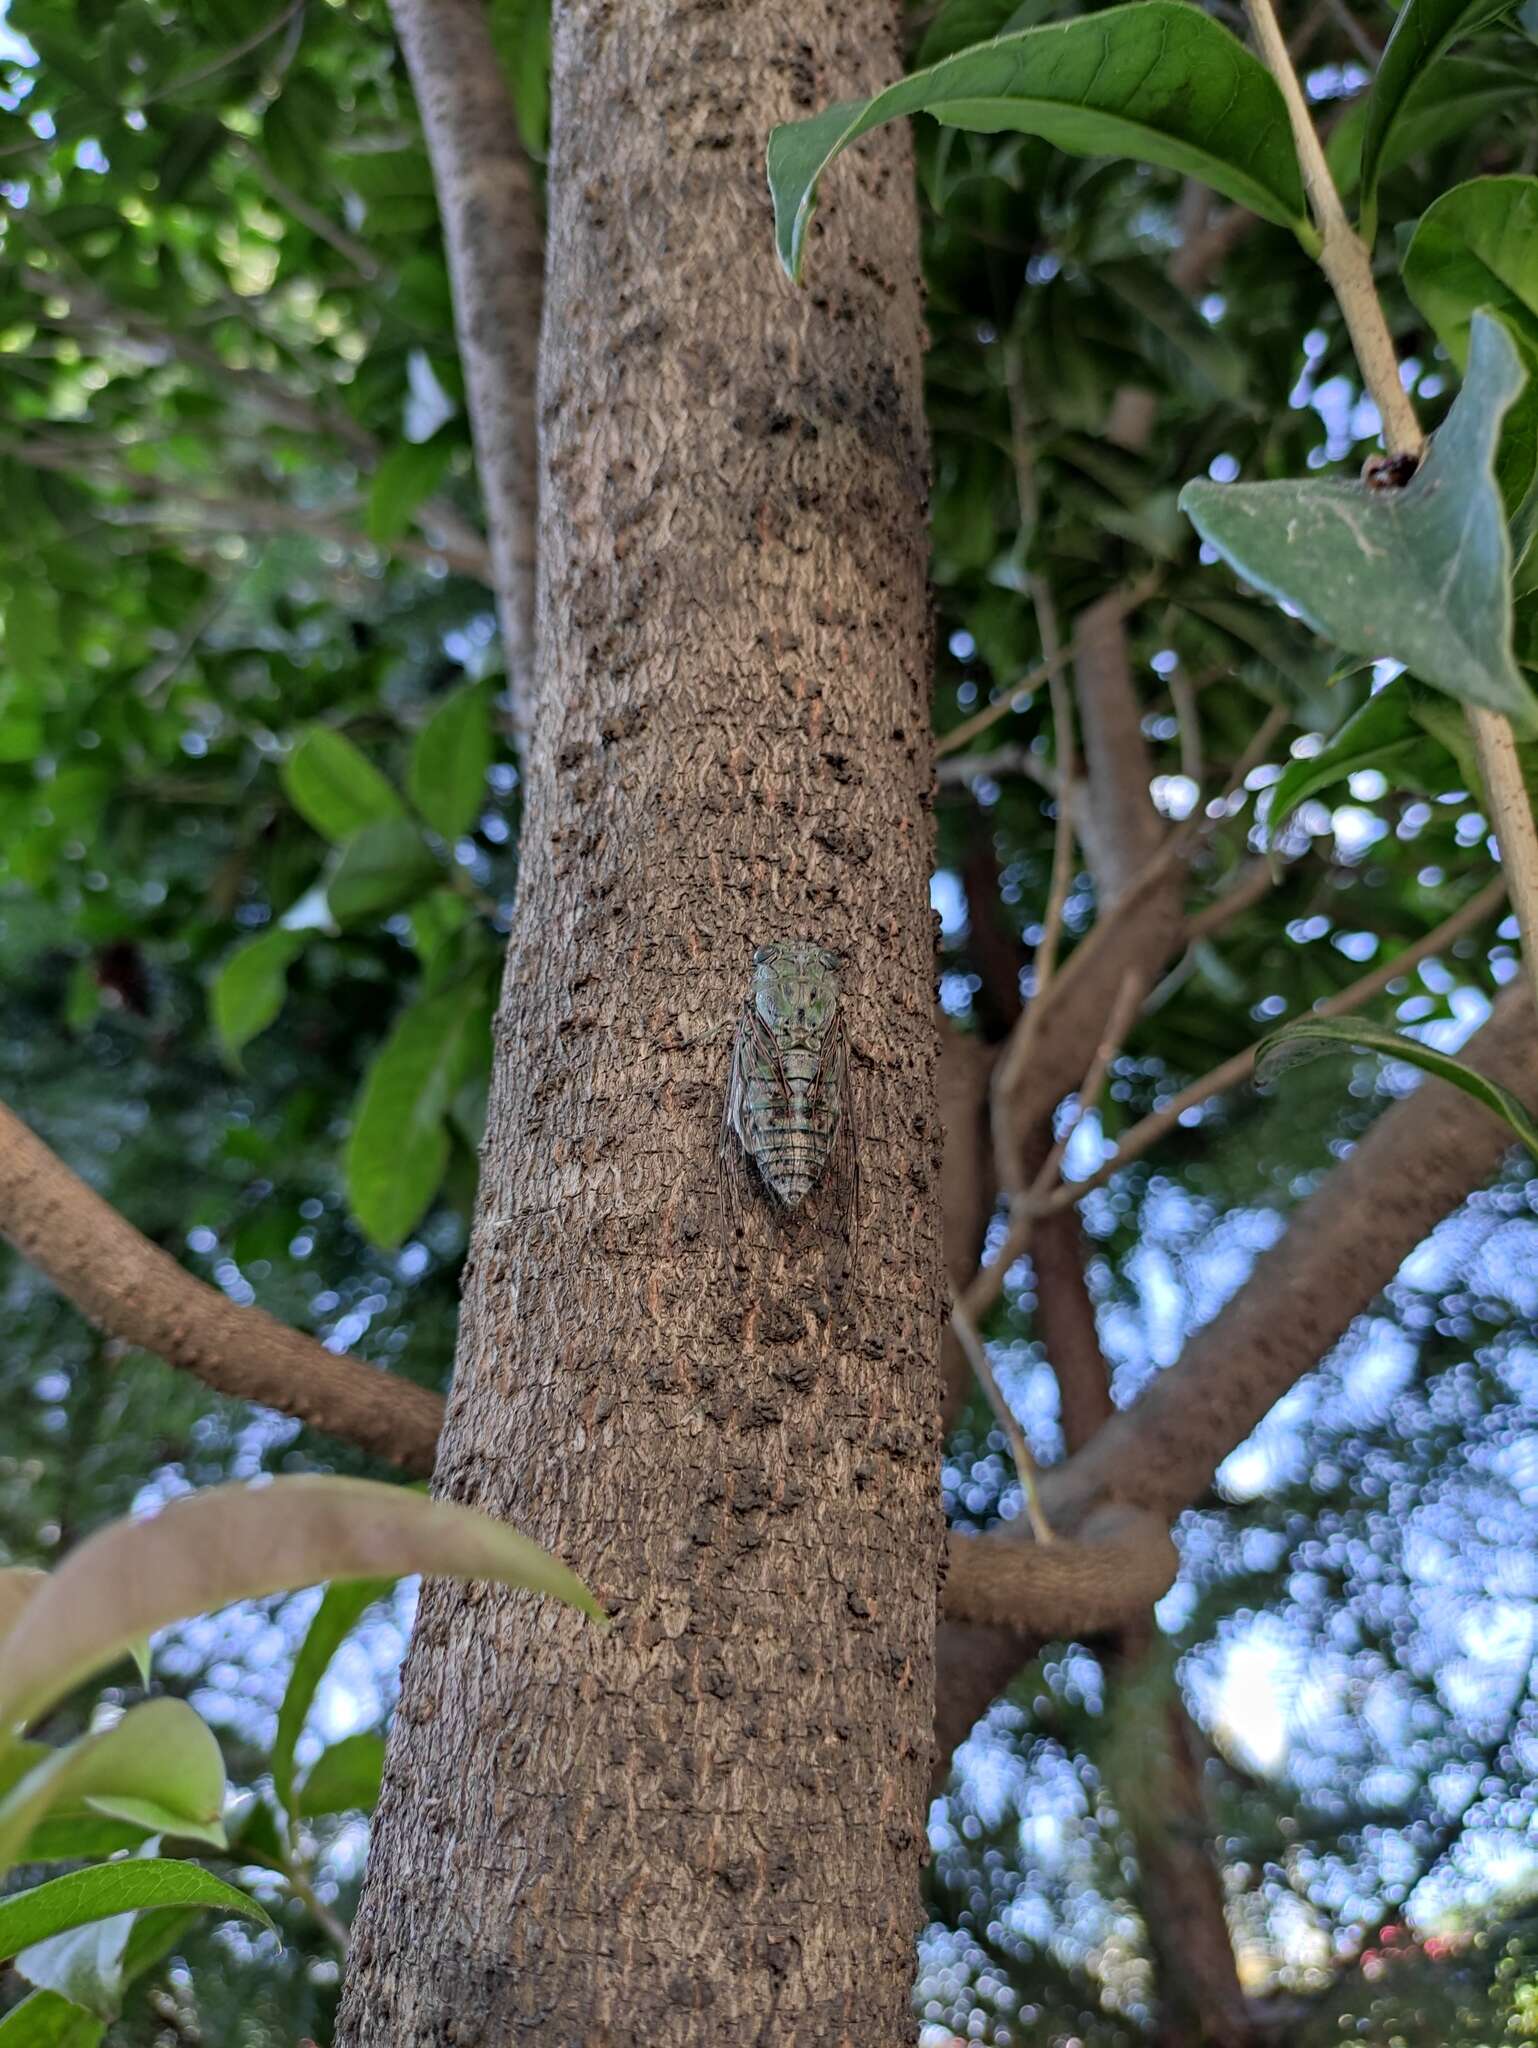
(706,1824)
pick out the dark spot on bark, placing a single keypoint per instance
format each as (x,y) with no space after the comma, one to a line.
(781,1323)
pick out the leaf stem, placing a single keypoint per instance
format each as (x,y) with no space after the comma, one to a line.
(1343,257)
(1347,263)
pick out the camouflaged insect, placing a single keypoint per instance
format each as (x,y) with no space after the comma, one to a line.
(788,1104)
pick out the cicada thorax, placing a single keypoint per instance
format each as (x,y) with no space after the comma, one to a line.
(788,1097)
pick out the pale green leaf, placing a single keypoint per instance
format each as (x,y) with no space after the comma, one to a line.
(84,1964)
(447,777)
(17,1585)
(238,1543)
(338,1614)
(1420,575)
(158,1768)
(1353,1034)
(334,787)
(1158,80)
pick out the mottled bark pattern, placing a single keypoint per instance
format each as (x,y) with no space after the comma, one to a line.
(705,1826)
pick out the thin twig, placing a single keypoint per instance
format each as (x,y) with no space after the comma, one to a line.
(1025,1464)
(961,769)
(1188,718)
(226,58)
(1253,883)
(1496,746)
(1241,1066)
(1204,820)
(1019,693)
(988,1282)
(320,224)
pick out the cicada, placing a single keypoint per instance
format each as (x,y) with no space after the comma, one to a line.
(788,1105)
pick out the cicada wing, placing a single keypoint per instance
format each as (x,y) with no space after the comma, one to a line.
(755,1060)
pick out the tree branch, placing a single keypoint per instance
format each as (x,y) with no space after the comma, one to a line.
(496,265)
(1343,1246)
(134,1291)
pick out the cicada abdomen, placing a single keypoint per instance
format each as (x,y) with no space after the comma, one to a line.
(787,1101)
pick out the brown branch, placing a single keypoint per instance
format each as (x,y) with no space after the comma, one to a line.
(967,1189)
(135,1291)
(496,265)
(1344,1244)
(1122,827)
(1117,1566)
(1005,1596)
(1065,1315)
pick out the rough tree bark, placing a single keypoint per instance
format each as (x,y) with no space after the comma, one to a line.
(707,1823)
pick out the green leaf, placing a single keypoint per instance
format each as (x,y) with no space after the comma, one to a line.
(250,988)
(110,1889)
(337,1615)
(44,2020)
(334,788)
(520,29)
(1352,1034)
(254,1837)
(1384,734)
(1477,246)
(435,920)
(84,1964)
(344,1778)
(1175,328)
(381,868)
(92,1967)
(1420,575)
(70,1934)
(1425,28)
(407,475)
(447,777)
(1457,96)
(1157,80)
(399,1145)
(960,23)
(31,630)
(239,1543)
(75,1839)
(159,1768)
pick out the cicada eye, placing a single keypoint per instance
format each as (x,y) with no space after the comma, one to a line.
(831,960)
(760,955)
